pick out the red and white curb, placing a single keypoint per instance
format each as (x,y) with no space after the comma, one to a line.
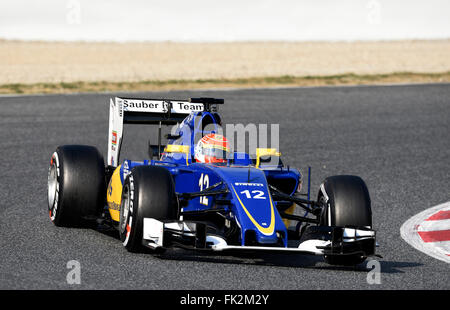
(429,231)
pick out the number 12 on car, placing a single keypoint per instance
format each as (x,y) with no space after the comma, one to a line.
(255,194)
(203,183)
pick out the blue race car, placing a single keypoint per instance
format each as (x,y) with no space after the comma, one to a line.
(198,194)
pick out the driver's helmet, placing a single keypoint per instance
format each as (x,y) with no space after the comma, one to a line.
(212,148)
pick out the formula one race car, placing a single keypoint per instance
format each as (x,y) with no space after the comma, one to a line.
(198,194)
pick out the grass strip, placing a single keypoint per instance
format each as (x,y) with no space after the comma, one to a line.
(252,82)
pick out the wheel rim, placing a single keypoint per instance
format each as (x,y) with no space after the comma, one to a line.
(52,186)
(124,208)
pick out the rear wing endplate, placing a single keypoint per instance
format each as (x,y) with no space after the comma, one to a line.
(149,111)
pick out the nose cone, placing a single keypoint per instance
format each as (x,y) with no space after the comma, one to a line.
(253,206)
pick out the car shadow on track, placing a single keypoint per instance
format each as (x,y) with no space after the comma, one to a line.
(396,267)
(270,260)
(283,260)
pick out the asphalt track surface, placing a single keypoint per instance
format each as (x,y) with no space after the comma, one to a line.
(395,137)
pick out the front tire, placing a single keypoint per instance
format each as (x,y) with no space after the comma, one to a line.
(347,203)
(76,185)
(148,192)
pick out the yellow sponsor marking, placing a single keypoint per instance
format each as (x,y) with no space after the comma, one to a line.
(175,148)
(260,152)
(114,195)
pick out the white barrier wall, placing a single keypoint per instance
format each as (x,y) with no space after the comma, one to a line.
(230,20)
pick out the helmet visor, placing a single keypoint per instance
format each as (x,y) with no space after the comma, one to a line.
(217,152)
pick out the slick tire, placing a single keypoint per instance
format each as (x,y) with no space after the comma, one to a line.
(348,204)
(76,185)
(148,192)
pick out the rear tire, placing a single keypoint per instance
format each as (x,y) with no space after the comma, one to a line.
(76,185)
(347,203)
(148,192)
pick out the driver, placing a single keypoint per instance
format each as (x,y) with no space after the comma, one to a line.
(212,148)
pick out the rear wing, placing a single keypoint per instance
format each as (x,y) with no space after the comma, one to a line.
(149,111)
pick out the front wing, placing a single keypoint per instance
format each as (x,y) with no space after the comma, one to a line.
(316,240)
